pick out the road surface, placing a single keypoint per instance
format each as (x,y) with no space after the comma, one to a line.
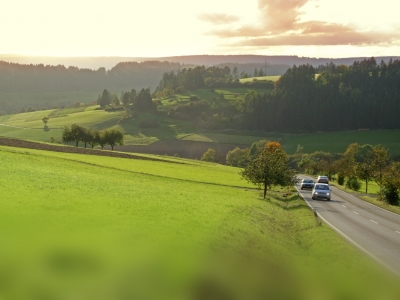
(374,230)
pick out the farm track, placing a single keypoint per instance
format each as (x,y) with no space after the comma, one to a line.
(4,141)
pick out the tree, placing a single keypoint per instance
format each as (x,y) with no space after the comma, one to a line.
(126,98)
(391,184)
(255,72)
(211,155)
(270,168)
(105,99)
(92,137)
(238,157)
(379,161)
(364,172)
(113,137)
(74,134)
(100,138)
(115,101)
(144,101)
(45,121)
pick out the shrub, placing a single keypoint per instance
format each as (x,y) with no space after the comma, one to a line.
(390,195)
(340,179)
(353,183)
(193,98)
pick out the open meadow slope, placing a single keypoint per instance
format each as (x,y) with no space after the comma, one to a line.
(175,136)
(75,226)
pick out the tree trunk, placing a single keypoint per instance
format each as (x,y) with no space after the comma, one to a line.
(265,189)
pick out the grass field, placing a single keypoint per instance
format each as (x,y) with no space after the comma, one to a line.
(272,78)
(217,97)
(85,227)
(337,142)
(29,126)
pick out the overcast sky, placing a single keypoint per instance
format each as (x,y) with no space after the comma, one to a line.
(151,28)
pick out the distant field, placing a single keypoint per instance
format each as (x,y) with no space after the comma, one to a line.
(29,126)
(250,79)
(221,97)
(85,227)
(337,142)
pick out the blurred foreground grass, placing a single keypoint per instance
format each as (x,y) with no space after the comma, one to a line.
(83,227)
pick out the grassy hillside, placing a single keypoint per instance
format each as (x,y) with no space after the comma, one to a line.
(29,126)
(86,227)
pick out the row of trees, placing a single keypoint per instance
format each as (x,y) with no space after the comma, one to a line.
(358,163)
(265,164)
(141,101)
(76,134)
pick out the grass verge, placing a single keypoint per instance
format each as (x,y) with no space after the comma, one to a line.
(86,227)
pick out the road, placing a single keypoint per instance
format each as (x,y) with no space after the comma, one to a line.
(374,230)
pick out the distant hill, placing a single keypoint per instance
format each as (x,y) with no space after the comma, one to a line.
(209,60)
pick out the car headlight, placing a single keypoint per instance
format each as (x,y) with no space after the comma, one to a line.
(327,194)
(316,193)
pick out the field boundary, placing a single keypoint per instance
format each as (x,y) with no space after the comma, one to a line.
(5,141)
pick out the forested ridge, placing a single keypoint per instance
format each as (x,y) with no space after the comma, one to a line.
(363,95)
(18,78)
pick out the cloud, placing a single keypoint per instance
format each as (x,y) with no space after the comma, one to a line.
(325,39)
(218,19)
(280,25)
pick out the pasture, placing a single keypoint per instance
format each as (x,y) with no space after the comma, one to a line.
(87,227)
(29,126)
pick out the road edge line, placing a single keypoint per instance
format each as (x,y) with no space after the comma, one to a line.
(350,240)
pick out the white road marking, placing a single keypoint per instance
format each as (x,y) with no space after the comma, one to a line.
(344,206)
(397,231)
(374,222)
(356,212)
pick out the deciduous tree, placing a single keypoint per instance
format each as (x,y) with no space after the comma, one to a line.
(270,168)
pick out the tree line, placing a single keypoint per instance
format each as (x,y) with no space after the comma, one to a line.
(42,85)
(359,163)
(93,137)
(188,79)
(363,95)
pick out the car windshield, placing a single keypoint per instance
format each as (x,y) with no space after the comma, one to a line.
(321,187)
(308,181)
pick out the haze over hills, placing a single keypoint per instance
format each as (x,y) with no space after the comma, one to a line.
(110,61)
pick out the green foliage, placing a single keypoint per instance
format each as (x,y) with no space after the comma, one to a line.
(341,179)
(353,183)
(237,157)
(113,137)
(269,168)
(211,155)
(347,98)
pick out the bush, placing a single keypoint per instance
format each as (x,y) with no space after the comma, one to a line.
(353,183)
(390,195)
(193,98)
(340,179)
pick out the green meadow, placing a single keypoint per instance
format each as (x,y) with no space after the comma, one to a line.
(259,78)
(85,227)
(29,126)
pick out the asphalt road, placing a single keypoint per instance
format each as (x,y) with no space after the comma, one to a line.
(374,230)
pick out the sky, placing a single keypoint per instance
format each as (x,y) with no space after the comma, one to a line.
(159,28)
